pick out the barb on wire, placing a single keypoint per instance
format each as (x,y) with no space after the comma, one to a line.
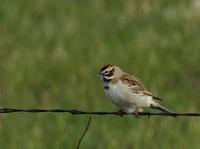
(78,112)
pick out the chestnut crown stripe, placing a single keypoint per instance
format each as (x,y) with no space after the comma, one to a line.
(105,67)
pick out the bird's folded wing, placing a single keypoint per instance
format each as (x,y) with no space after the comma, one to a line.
(132,82)
(135,85)
(148,94)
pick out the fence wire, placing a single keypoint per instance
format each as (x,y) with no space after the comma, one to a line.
(78,112)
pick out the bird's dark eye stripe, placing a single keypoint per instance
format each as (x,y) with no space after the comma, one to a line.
(109,74)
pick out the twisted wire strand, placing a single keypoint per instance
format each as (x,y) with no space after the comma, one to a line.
(79,112)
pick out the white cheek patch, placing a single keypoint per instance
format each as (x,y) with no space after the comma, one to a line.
(108,77)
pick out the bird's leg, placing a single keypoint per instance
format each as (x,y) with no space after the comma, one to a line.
(136,112)
(149,116)
(121,113)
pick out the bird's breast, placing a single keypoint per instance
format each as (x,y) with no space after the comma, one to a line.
(121,95)
(117,93)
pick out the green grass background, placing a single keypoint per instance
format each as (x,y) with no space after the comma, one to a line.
(51,51)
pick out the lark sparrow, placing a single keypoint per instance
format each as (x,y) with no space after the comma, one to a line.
(125,91)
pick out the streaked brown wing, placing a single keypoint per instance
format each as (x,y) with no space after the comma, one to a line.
(132,82)
(136,86)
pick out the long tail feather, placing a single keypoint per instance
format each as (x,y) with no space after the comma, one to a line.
(161,108)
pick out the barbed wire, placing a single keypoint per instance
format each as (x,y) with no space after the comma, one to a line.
(78,112)
(98,113)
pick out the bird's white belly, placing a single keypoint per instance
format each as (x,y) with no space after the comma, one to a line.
(124,98)
(116,95)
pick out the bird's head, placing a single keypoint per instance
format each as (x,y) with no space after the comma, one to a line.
(110,72)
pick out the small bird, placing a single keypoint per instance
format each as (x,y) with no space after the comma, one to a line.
(126,91)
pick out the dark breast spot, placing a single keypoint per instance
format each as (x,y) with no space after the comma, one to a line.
(106,87)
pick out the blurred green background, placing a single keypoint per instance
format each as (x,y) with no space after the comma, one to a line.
(51,51)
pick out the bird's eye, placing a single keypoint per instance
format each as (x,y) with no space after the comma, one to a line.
(105,73)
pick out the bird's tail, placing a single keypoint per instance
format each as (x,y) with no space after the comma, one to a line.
(161,108)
